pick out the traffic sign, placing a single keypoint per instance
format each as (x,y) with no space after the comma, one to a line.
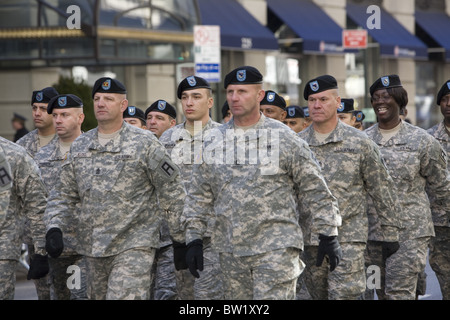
(354,39)
(207,52)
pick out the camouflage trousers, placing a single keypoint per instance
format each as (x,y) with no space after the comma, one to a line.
(346,282)
(403,275)
(268,276)
(373,257)
(125,276)
(440,259)
(8,279)
(210,284)
(164,284)
(60,274)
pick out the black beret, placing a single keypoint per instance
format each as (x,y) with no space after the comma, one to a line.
(273,99)
(306,111)
(134,112)
(319,84)
(162,106)
(392,81)
(347,106)
(63,101)
(359,115)
(109,85)
(17,116)
(225,109)
(44,95)
(445,89)
(190,83)
(243,75)
(294,112)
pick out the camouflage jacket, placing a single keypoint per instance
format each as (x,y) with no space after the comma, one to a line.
(249,181)
(28,198)
(353,169)
(185,146)
(440,217)
(49,159)
(414,159)
(118,186)
(30,142)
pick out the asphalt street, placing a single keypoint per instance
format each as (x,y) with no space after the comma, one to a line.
(25,289)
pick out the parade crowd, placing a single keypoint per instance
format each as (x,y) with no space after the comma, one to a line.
(277,201)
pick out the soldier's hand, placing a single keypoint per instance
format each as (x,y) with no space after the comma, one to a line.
(194,257)
(179,255)
(329,246)
(54,244)
(388,249)
(38,267)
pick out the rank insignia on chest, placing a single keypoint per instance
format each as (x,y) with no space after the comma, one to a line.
(97,171)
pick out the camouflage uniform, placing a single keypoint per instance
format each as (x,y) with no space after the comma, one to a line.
(209,285)
(254,203)
(49,160)
(439,255)
(115,186)
(30,142)
(414,159)
(27,201)
(353,169)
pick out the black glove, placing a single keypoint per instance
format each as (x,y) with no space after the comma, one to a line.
(179,255)
(38,267)
(389,248)
(194,257)
(329,246)
(54,244)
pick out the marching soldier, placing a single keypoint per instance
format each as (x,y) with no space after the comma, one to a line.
(183,141)
(67,113)
(23,196)
(256,231)
(112,182)
(353,169)
(415,160)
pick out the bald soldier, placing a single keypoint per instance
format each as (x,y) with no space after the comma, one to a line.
(252,198)
(115,178)
(67,113)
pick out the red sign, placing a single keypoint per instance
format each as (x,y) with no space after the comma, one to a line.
(354,39)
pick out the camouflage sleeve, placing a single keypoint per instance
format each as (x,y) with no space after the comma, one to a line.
(63,198)
(199,203)
(433,167)
(33,194)
(381,189)
(313,191)
(165,176)
(5,184)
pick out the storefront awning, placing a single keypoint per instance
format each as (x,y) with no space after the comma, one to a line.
(318,32)
(394,39)
(437,26)
(238,28)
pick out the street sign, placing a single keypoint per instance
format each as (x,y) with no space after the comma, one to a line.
(207,52)
(354,39)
